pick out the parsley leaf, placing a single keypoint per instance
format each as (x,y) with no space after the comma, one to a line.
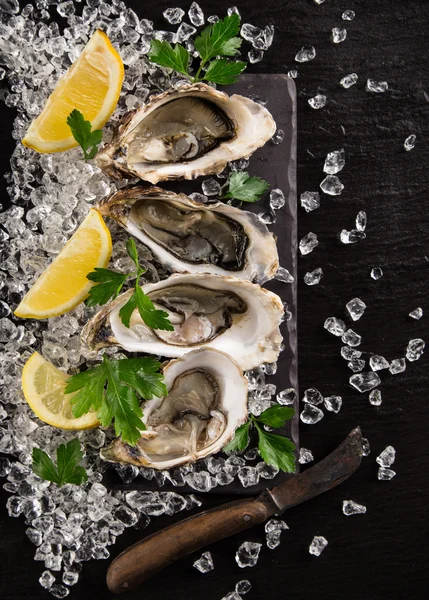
(81,130)
(110,285)
(155,319)
(245,188)
(67,470)
(219,38)
(223,71)
(276,415)
(110,389)
(163,54)
(240,440)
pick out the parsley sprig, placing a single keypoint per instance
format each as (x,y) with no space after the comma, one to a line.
(245,188)
(111,390)
(109,285)
(275,450)
(81,131)
(214,42)
(67,469)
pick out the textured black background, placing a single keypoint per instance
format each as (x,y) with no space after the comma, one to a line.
(383,554)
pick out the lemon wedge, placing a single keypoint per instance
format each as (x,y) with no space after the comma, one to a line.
(92,85)
(63,285)
(43,386)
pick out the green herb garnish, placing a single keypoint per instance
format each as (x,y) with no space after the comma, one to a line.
(81,130)
(245,188)
(109,285)
(111,390)
(67,469)
(275,450)
(217,40)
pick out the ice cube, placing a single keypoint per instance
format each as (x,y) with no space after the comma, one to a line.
(364,382)
(333,403)
(310,201)
(255,56)
(196,15)
(66,9)
(416,314)
(205,563)
(351,237)
(273,539)
(378,363)
(353,508)
(287,396)
(305,456)
(375,397)
(397,365)
(70,577)
(334,162)
(318,101)
(308,243)
(267,217)
(384,474)
(58,590)
(361,220)
(284,275)
(251,33)
(376,273)
(356,307)
(174,15)
(387,457)
(335,326)
(184,32)
(266,471)
(348,15)
(339,34)
(318,544)
(311,414)
(243,586)
(306,54)
(275,525)
(197,197)
(247,554)
(332,185)
(376,86)
(313,396)
(278,137)
(415,349)
(248,476)
(366,450)
(349,80)
(211,187)
(410,142)
(351,338)
(349,353)
(313,277)
(46,580)
(277,199)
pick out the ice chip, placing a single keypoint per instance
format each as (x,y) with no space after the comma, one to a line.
(287,396)
(254,57)
(70,577)
(232,596)
(333,403)
(308,243)
(318,101)
(384,474)
(278,137)
(351,338)
(375,397)
(378,363)
(284,275)
(356,307)
(353,508)
(331,185)
(335,326)
(313,277)
(416,314)
(275,525)
(205,563)
(247,554)
(376,86)
(311,414)
(318,544)
(306,54)
(310,201)
(410,142)
(351,237)
(348,15)
(387,457)
(243,587)
(211,187)
(364,382)
(174,15)
(313,396)
(293,73)
(356,365)
(267,217)
(184,32)
(415,349)
(334,162)
(305,456)
(65,9)
(251,33)
(397,365)
(376,273)
(339,34)
(366,450)
(277,199)
(349,80)
(196,15)
(248,476)
(58,590)
(46,580)
(361,220)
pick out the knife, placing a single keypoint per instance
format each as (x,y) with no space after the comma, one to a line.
(145,558)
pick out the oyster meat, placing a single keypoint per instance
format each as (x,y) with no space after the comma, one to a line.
(206,402)
(187,236)
(186,132)
(225,313)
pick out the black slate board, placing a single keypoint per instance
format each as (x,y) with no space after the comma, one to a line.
(276,164)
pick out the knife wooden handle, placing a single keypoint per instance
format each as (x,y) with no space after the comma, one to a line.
(145,558)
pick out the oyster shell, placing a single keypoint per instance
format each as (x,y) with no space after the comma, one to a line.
(207,311)
(187,236)
(184,133)
(206,402)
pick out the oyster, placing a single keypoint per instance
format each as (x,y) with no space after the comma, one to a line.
(187,236)
(184,133)
(225,313)
(206,402)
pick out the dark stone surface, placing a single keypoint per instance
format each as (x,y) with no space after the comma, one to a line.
(380,555)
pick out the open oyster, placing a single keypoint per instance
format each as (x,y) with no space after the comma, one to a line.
(191,237)
(184,133)
(206,402)
(225,313)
